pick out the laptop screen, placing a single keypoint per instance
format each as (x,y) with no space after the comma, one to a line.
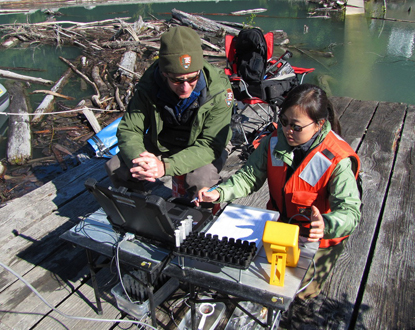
(148,217)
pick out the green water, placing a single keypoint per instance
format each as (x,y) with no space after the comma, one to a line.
(372,59)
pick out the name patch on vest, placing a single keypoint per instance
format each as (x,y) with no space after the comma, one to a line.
(315,169)
(274,160)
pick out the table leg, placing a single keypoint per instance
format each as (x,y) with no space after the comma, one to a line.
(150,292)
(273,322)
(192,306)
(92,268)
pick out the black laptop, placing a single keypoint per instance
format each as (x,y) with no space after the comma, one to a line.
(148,217)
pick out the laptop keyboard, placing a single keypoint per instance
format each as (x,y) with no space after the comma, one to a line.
(223,252)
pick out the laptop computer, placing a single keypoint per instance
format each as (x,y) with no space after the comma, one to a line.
(148,217)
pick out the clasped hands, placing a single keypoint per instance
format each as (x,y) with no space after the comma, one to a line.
(147,167)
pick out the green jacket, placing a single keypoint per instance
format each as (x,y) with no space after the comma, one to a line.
(344,194)
(210,129)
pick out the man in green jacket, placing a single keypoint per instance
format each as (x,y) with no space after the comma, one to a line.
(178,121)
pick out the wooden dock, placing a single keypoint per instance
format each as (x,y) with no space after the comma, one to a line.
(372,286)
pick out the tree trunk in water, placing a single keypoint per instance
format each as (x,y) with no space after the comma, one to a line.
(128,62)
(19,149)
(47,104)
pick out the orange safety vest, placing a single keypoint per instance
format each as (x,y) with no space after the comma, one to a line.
(307,186)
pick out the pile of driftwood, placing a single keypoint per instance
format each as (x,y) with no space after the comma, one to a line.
(115,54)
(327,8)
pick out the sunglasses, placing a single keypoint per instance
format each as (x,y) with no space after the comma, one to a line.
(179,81)
(295,128)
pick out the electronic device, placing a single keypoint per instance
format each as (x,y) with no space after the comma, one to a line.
(148,217)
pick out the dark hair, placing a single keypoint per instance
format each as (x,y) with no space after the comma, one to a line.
(313,101)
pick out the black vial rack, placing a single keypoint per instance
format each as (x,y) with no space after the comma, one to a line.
(229,252)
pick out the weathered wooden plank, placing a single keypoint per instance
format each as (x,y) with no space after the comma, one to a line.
(83,304)
(54,279)
(355,120)
(71,298)
(257,199)
(233,163)
(39,203)
(376,152)
(388,297)
(37,242)
(340,104)
(334,310)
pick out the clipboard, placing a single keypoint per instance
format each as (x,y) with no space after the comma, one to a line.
(242,222)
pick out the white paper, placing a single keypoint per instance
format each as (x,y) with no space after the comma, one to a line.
(242,222)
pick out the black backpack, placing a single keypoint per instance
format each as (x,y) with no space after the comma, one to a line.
(251,62)
(251,55)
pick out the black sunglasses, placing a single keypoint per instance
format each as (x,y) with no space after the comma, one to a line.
(179,81)
(295,128)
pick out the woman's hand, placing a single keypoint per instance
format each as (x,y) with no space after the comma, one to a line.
(148,167)
(204,196)
(317,225)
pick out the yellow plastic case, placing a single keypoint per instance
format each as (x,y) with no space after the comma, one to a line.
(280,242)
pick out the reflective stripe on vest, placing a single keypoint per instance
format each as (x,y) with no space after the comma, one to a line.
(315,169)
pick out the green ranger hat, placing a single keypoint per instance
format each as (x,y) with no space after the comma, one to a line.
(180,51)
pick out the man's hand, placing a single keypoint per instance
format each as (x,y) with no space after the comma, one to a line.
(317,225)
(147,167)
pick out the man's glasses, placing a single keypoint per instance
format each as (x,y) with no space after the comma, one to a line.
(295,128)
(179,81)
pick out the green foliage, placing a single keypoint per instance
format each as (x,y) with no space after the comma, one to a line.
(250,21)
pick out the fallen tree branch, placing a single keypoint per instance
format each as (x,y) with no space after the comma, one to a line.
(67,128)
(73,67)
(16,76)
(129,71)
(44,91)
(74,23)
(202,23)
(393,19)
(118,100)
(97,95)
(48,102)
(103,88)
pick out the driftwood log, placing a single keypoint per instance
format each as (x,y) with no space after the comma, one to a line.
(45,91)
(89,114)
(19,149)
(95,98)
(127,66)
(202,23)
(48,102)
(103,88)
(115,55)
(17,76)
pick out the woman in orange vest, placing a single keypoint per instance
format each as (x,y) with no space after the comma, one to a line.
(312,176)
